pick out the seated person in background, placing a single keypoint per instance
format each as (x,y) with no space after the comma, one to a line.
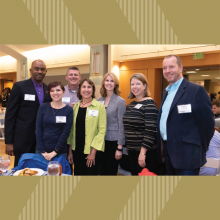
(54,121)
(216,108)
(213,152)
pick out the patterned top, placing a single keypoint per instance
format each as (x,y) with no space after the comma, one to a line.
(140,123)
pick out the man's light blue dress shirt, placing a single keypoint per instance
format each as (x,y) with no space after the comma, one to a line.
(172,90)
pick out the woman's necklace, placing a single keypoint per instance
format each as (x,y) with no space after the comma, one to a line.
(85,103)
(54,112)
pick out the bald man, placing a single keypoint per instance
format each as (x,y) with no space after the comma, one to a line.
(25,99)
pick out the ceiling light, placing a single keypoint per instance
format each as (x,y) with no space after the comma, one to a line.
(197,69)
(121,61)
(190,71)
(205,75)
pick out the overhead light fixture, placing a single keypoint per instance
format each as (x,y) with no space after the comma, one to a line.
(197,69)
(121,61)
(217,77)
(190,71)
(205,75)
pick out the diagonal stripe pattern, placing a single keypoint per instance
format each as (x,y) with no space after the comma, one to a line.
(148,21)
(149,198)
(48,198)
(55,21)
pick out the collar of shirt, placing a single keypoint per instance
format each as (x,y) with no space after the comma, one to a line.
(73,91)
(37,85)
(175,86)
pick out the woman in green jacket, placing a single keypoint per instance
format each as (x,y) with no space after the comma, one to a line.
(87,136)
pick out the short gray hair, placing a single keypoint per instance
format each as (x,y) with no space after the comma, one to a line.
(73,68)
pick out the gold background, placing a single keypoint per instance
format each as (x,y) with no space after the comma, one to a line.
(113,22)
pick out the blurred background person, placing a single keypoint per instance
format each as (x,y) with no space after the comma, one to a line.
(115,136)
(214,153)
(53,124)
(140,123)
(88,131)
(5,97)
(216,108)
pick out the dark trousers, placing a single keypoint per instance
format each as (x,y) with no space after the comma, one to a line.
(171,170)
(18,154)
(151,161)
(80,167)
(109,163)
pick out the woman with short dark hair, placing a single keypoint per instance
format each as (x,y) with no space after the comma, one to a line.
(54,120)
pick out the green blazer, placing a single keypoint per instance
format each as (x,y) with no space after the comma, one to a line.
(95,127)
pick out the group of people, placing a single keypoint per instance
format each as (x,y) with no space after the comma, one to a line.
(55,120)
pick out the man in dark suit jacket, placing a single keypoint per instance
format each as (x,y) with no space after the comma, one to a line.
(185,122)
(20,120)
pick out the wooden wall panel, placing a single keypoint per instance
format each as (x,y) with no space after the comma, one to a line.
(152,68)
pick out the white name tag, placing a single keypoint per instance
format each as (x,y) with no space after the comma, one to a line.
(137,106)
(184,108)
(66,99)
(29,97)
(93,113)
(60,119)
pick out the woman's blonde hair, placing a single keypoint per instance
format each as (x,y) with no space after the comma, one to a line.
(116,81)
(143,79)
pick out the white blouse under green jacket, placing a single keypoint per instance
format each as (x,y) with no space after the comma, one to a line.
(95,127)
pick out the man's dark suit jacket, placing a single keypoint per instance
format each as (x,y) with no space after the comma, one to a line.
(20,119)
(188,134)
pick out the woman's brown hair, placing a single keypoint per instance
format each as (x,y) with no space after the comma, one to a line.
(143,79)
(80,85)
(116,81)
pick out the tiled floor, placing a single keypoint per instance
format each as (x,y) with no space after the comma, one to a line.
(2,152)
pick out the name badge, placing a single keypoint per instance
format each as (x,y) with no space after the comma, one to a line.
(137,106)
(184,108)
(29,97)
(60,119)
(93,113)
(66,99)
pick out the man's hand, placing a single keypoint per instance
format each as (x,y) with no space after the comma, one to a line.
(72,104)
(9,149)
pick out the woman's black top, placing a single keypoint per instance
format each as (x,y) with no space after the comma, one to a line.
(80,130)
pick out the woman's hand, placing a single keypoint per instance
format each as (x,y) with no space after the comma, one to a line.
(44,154)
(142,157)
(70,155)
(91,158)
(49,156)
(118,154)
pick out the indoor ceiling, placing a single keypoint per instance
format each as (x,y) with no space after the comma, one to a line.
(26,47)
(212,73)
